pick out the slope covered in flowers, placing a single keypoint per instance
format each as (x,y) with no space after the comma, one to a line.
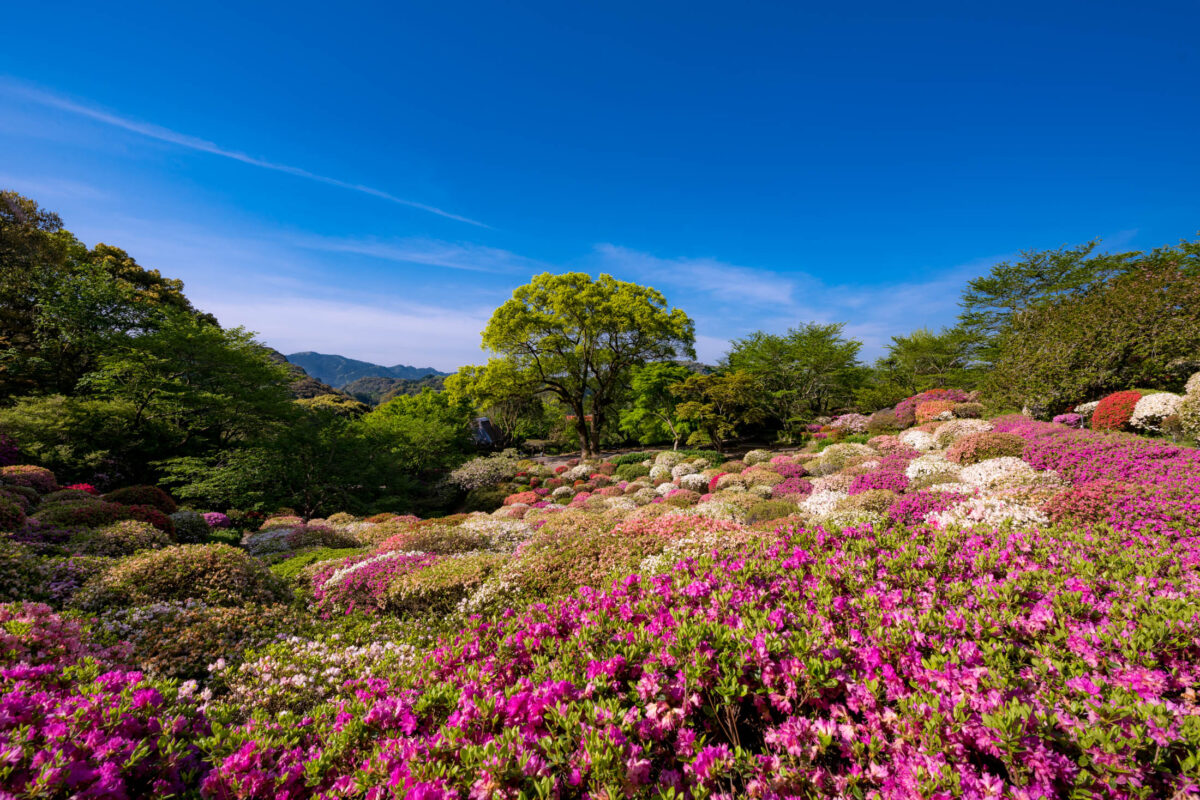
(965,608)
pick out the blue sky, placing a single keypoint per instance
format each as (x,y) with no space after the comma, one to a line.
(373,179)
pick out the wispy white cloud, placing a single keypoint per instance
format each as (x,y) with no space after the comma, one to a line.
(405,333)
(738,299)
(162,134)
(707,275)
(430,252)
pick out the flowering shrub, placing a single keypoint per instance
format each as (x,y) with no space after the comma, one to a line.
(284,540)
(67,496)
(521,497)
(119,539)
(1168,477)
(143,496)
(93,514)
(37,478)
(981,446)
(950,432)
(181,638)
(851,423)
(906,409)
(84,487)
(1114,411)
(440,587)
(72,727)
(440,539)
(892,481)
(215,573)
(916,507)
(216,520)
(918,440)
(934,409)
(484,471)
(362,583)
(997,472)
(989,512)
(1150,411)
(968,410)
(297,674)
(1071,420)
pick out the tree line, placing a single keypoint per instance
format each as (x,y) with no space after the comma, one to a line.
(108,374)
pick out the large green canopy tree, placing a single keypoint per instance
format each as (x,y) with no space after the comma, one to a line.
(578,338)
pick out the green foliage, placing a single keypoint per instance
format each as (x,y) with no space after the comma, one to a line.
(290,569)
(437,589)
(428,431)
(993,302)
(485,498)
(336,403)
(630,472)
(214,573)
(809,371)
(122,538)
(505,394)
(714,406)
(577,338)
(78,438)
(1140,328)
(62,305)
(652,415)
(320,462)
(917,362)
(769,510)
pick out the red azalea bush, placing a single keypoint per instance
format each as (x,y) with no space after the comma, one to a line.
(1115,411)
(1089,503)
(528,498)
(38,478)
(84,487)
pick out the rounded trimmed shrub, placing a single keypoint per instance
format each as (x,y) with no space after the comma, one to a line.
(968,410)
(934,409)
(31,497)
(766,510)
(143,496)
(69,496)
(439,587)
(982,446)
(883,421)
(190,527)
(1114,412)
(484,498)
(92,514)
(216,574)
(122,538)
(39,479)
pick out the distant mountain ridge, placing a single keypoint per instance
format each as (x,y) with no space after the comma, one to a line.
(338,370)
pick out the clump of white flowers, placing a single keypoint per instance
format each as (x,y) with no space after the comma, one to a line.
(926,466)
(990,511)
(997,472)
(1152,409)
(918,440)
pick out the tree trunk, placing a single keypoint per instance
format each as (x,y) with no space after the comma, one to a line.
(585,442)
(597,422)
